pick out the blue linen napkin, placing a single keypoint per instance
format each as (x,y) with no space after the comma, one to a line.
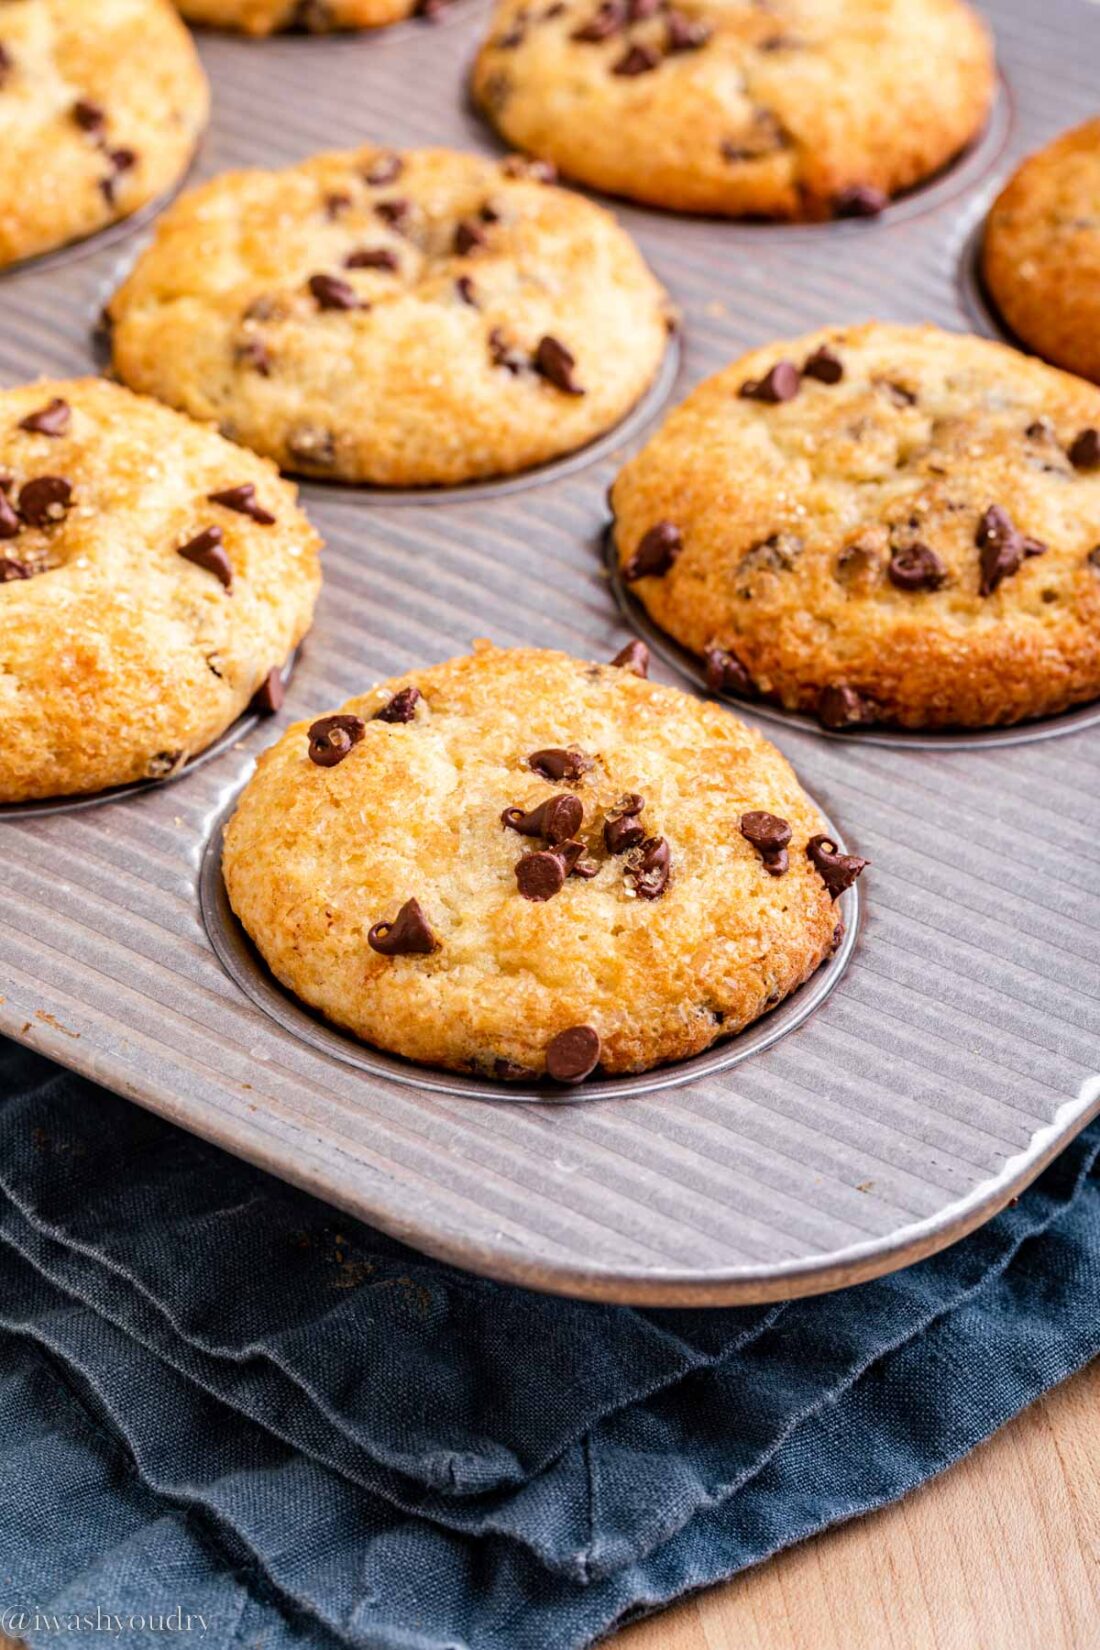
(219,1397)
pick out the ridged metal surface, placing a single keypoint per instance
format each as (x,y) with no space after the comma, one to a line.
(962,1045)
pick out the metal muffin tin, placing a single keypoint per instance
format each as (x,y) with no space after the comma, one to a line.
(891,1105)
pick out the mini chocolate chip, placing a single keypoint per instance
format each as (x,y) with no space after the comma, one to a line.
(779,383)
(608,19)
(401,708)
(7,63)
(504,354)
(562,766)
(637,60)
(1084,452)
(572,1054)
(916,567)
(1040,429)
(726,673)
(243,500)
(509,1071)
(466,290)
(310,444)
(633,657)
(824,365)
(408,935)
(623,828)
(649,867)
(11,570)
(53,419)
(122,160)
(384,169)
(330,292)
(254,353)
(337,204)
(837,871)
(1003,548)
(1093,559)
(841,706)
(207,551)
(396,213)
(897,393)
(268,697)
(685,34)
(470,237)
(770,836)
(332,737)
(9,521)
(165,763)
(373,258)
(838,936)
(862,200)
(556,364)
(557,819)
(540,876)
(45,500)
(656,552)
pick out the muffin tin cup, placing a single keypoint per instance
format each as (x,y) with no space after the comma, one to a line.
(688,664)
(243,963)
(957,1050)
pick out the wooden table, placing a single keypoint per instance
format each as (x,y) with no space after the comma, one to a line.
(1001,1553)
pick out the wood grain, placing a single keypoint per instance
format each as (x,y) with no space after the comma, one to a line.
(1001,1553)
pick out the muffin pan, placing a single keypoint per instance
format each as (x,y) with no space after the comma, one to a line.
(914,1085)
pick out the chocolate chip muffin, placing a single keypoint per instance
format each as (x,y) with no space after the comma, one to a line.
(314,16)
(401,319)
(100,110)
(1041,251)
(152,580)
(763,108)
(877,524)
(521,865)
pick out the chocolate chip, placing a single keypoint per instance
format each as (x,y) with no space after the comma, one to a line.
(1084,452)
(45,500)
(53,419)
(572,1054)
(330,292)
(649,868)
(7,64)
(165,763)
(466,290)
(268,697)
(897,393)
(332,737)
(1093,559)
(9,521)
(572,856)
(337,204)
(916,567)
(779,383)
(207,551)
(121,161)
(504,354)
(254,353)
(562,766)
(824,365)
(1003,548)
(243,500)
(862,200)
(470,237)
(623,828)
(685,34)
(726,673)
(373,258)
(509,1071)
(90,116)
(764,135)
(540,876)
(401,708)
(557,819)
(656,552)
(770,836)
(310,444)
(384,169)
(408,935)
(842,706)
(1040,429)
(633,657)
(637,60)
(396,213)
(608,19)
(837,871)
(556,364)
(11,570)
